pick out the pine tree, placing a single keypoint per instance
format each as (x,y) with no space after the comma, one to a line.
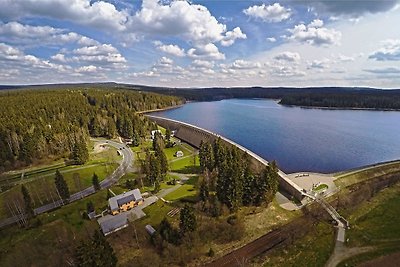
(27,201)
(248,187)
(204,191)
(187,220)
(80,152)
(162,161)
(96,252)
(95,182)
(61,186)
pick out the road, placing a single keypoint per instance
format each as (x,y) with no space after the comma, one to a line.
(123,168)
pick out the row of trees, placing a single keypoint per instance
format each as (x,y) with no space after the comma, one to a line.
(155,166)
(228,175)
(37,124)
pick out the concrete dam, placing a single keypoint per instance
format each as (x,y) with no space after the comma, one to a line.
(194,135)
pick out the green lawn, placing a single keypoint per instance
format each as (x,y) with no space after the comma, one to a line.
(313,249)
(321,187)
(376,223)
(186,190)
(155,213)
(185,165)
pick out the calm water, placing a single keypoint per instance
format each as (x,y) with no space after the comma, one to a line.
(300,139)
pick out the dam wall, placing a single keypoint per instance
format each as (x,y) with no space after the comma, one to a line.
(193,135)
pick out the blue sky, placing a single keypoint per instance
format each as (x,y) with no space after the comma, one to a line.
(201,43)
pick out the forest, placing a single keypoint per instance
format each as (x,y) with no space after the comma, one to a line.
(55,123)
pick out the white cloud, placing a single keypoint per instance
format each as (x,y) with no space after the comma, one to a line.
(315,34)
(270,13)
(288,56)
(97,14)
(390,51)
(87,69)
(17,33)
(231,36)
(171,49)
(197,63)
(191,22)
(59,57)
(318,64)
(344,58)
(209,51)
(271,39)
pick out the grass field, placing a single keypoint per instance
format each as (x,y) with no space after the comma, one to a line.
(346,179)
(376,223)
(53,241)
(185,165)
(40,181)
(155,213)
(186,190)
(313,249)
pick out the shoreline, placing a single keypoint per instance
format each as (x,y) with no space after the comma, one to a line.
(337,108)
(160,109)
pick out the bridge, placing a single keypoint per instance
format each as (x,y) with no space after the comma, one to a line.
(194,135)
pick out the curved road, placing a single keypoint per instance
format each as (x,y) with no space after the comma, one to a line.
(125,165)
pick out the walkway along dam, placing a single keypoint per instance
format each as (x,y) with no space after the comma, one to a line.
(194,135)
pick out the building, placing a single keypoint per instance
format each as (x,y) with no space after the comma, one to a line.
(125,201)
(113,224)
(150,230)
(178,154)
(154,133)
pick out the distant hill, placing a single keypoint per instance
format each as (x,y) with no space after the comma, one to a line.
(330,97)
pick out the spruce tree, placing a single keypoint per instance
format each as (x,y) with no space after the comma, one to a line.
(95,182)
(27,201)
(96,252)
(204,191)
(61,186)
(187,220)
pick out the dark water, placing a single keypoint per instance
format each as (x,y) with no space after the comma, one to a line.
(300,139)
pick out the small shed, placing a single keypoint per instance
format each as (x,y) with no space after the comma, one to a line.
(178,154)
(150,229)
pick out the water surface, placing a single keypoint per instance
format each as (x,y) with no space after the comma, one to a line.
(299,139)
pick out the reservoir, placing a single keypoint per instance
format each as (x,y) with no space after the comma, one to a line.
(299,139)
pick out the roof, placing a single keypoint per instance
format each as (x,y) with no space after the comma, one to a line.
(150,229)
(113,224)
(119,200)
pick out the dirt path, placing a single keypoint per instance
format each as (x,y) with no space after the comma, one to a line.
(341,252)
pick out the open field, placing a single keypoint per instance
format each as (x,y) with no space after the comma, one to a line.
(53,239)
(40,181)
(188,189)
(376,223)
(313,249)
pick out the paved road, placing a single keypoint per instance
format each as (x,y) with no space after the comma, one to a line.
(125,165)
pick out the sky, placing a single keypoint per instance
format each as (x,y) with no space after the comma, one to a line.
(201,43)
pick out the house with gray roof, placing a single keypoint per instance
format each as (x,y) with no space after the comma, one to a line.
(113,224)
(125,201)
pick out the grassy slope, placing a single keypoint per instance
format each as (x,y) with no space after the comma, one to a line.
(313,249)
(346,179)
(46,245)
(376,223)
